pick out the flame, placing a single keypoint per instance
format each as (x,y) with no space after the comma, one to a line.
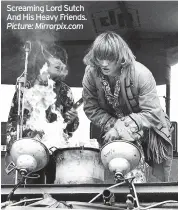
(37,100)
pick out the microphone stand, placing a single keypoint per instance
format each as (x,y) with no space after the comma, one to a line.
(21,83)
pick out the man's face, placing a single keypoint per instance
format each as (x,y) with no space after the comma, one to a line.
(55,67)
(109,68)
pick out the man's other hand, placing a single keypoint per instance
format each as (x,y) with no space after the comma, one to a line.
(70,116)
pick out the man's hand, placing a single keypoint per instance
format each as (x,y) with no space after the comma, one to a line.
(124,130)
(70,116)
(111,135)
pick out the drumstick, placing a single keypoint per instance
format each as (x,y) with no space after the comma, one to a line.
(78,103)
(75,106)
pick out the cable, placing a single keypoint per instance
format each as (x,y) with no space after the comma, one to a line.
(26,200)
(13,190)
(36,176)
(156,204)
(135,193)
(115,185)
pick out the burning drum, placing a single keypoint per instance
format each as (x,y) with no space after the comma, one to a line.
(76,165)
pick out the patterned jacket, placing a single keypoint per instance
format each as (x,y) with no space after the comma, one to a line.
(146,114)
(64,102)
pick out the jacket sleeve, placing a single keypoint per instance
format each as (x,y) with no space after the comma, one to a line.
(149,104)
(68,104)
(92,109)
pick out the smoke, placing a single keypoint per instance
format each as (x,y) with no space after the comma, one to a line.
(13,40)
(12,47)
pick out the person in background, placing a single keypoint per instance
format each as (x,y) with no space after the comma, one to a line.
(120,98)
(55,57)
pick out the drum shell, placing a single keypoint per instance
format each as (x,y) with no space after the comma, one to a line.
(79,166)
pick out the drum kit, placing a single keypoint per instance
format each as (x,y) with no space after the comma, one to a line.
(119,156)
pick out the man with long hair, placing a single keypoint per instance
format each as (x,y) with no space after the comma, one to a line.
(120,98)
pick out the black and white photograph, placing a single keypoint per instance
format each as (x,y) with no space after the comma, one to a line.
(89,107)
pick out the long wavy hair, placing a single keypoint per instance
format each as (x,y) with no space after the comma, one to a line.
(40,54)
(109,46)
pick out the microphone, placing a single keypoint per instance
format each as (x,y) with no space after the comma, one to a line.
(27,46)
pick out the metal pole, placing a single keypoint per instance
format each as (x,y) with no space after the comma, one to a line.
(168,94)
(21,83)
(27,51)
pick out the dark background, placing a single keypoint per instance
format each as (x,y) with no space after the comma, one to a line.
(150,28)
